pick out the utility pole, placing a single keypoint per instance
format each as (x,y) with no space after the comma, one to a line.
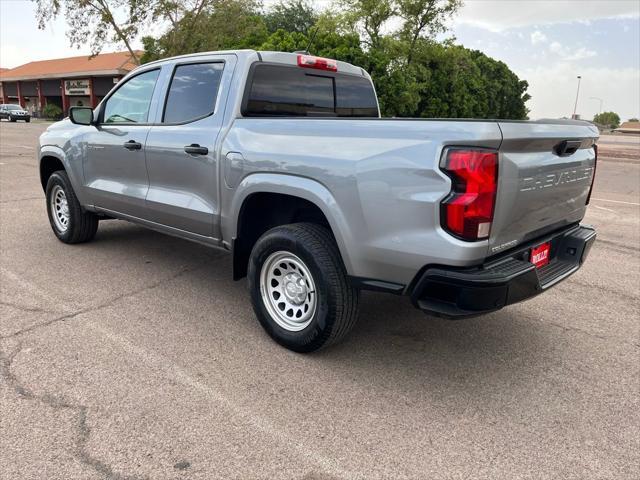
(575,107)
(601,101)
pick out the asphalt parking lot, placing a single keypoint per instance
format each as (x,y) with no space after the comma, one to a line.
(136,356)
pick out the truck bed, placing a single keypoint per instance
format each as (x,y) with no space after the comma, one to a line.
(387,183)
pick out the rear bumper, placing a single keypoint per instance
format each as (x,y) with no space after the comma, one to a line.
(458,293)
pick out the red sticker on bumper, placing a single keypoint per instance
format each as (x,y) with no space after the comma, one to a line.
(540,255)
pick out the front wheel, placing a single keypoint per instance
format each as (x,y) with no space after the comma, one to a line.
(299,287)
(70,223)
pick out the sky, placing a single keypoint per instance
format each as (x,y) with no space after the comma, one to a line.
(546,42)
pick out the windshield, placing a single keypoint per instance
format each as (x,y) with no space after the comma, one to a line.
(13,107)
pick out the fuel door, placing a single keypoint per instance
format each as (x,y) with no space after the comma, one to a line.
(233,169)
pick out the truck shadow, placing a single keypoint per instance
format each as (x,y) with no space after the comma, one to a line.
(502,341)
(392,346)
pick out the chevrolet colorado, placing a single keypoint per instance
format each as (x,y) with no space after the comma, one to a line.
(282,159)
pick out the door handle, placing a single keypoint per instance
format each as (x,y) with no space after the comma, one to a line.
(132,145)
(195,149)
(567,147)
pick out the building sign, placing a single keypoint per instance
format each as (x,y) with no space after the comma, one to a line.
(77,87)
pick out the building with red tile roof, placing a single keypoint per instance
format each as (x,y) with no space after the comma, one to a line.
(629,127)
(66,82)
(1,92)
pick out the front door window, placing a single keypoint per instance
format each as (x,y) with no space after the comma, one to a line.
(131,102)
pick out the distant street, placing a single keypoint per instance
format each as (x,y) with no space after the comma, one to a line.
(620,147)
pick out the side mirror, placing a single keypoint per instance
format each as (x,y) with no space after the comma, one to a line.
(81,115)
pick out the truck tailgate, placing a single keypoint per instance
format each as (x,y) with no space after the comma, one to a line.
(543,182)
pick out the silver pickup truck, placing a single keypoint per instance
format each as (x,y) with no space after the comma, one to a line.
(282,159)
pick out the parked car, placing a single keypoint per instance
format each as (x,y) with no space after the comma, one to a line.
(13,113)
(282,160)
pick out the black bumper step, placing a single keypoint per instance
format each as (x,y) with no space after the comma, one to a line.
(459,293)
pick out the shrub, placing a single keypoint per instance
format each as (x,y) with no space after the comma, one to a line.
(52,111)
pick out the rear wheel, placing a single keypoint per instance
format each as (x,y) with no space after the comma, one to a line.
(299,287)
(70,223)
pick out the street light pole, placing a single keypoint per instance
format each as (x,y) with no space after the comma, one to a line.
(575,107)
(599,99)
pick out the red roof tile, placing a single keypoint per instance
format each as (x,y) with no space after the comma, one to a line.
(105,63)
(630,126)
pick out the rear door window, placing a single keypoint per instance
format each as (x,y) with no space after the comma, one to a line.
(193,92)
(282,90)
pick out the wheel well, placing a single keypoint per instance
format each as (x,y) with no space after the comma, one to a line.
(263,211)
(48,165)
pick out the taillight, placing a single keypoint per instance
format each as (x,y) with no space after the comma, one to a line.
(468,210)
(319,63)
(593,176)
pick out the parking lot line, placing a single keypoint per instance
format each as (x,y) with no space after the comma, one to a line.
(616,201)
(26,147)
(605,209)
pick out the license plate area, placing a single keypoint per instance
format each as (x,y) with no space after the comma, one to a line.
(540,254)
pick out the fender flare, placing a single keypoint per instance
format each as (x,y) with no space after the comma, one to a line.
(296,186)
(72,173)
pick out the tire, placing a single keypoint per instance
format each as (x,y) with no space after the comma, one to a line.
(11,119)
(314,267)
(28,120)
(79,226)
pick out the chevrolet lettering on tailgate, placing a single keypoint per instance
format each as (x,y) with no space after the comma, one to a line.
(550,180)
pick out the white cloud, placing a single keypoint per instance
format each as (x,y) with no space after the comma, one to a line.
(538,37)
(500,15)
(581,54)
(556,47)
(571,55)
(21,41)
(552,87)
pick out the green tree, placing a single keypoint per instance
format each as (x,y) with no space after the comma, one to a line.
(394,40)
(607,119)
(448,81)
(424,18)
(330,44)
(505,94)
(184,17)
(291,16)
(368,17)
(208,28)
(416,76)
(283,41)
(634,120)
(98,22)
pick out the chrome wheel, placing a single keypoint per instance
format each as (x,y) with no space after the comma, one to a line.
(288,291)
(59,208)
